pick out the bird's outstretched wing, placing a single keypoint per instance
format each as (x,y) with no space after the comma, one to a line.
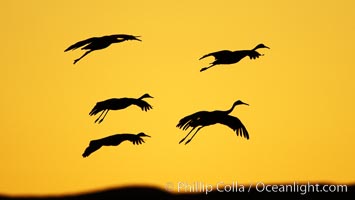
(254,54)
(235,124)
(142,104)
(93,146)
(218,54)
(81,43)
(136,140)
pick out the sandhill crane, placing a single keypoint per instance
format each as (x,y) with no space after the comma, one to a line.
(118,104)
(97,43)
(206,118)
(113,140)
(231,57)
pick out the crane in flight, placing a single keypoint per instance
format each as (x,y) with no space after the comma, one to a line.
(206,118)
(97,43)
(118,104)
(231,57)
(113,140)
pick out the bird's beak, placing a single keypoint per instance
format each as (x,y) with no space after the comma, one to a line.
(267,47)
(137,38)
(246,104)
(147,135)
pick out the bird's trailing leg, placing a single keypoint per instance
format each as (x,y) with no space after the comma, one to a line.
(86,53)
(193,135)
(187,135)
(104,111)
(100,116)
(103,116)
(205,68)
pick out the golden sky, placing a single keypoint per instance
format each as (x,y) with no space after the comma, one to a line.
(301,93)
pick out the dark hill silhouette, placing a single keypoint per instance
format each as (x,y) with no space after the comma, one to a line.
(150,192)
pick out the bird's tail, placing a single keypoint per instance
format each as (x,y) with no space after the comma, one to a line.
(204,56)
(93,146)
(97,108)
(188,121)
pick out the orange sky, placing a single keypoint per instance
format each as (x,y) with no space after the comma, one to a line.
(300,117)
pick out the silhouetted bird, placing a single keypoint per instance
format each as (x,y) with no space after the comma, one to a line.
(206,118)
(97,43)
(118,104)
(113,140)
(231,57)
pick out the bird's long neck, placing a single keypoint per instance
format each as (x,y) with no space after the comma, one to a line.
(255,48)
(230,110)
(142,97)
(259,46)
